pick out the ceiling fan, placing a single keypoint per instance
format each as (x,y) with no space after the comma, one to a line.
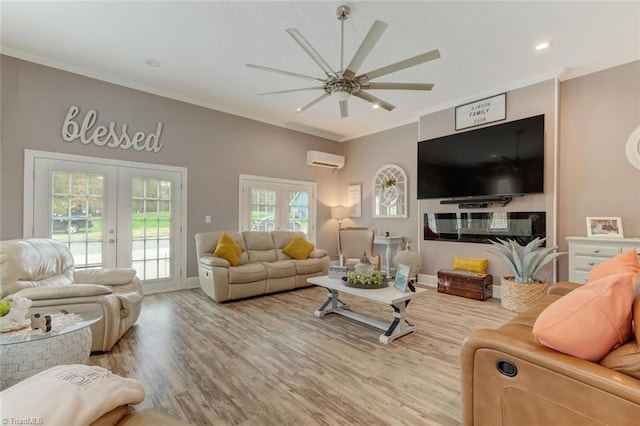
(344,83)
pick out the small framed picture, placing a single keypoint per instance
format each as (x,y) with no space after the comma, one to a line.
(402,277)
(604,227)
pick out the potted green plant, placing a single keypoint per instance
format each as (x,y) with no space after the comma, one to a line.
(523,289)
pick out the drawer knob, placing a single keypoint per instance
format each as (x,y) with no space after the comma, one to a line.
(596,250)
(591,263)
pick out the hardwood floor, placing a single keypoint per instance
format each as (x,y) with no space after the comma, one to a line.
(270,361)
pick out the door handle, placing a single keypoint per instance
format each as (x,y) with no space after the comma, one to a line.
(112,240)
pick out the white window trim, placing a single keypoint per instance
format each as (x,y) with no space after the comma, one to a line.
(242,210)
(28,207)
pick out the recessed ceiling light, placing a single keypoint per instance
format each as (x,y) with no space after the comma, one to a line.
(375,106)
(298,109)
(543,45)
(152,62)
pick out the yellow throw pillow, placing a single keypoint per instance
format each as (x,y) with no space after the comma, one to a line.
(298,248)
(228,249)
(471,264)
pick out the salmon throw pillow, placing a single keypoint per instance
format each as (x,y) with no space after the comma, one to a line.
(589,321)
(624,262)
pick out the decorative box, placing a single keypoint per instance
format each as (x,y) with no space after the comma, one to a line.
(466,284)
(337,272)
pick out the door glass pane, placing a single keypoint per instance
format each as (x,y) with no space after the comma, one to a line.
(299,211)
(77,203)
(151,228)
(263,209)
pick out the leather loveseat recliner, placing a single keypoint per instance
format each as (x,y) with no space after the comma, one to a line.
(42,270)
(262,266)
(509,379)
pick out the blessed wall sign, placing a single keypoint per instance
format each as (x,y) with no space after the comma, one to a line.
(109,135)
(481,112)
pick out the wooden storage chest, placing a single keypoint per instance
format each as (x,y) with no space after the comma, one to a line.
(465,284)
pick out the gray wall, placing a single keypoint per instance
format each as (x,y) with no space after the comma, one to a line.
(595,115)
(365,157)
(399,146)
(598,112)
(521,103)
(214,146)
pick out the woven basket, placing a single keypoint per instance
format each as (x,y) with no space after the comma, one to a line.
(517,297)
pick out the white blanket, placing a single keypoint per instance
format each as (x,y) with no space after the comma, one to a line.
(73,395)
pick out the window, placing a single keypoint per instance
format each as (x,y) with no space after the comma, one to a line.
(267,204)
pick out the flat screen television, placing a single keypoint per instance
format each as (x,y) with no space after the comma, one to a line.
(501,160)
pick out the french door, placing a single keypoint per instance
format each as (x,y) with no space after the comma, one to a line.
(112,215)
(267,204)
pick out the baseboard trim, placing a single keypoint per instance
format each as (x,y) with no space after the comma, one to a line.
(191,282)
(424,280)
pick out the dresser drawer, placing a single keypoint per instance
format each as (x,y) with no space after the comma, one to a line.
(585,263)
(585,253)
(580,276)
(593,250)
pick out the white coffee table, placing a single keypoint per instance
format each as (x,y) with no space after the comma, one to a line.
(388,296)
(23,355)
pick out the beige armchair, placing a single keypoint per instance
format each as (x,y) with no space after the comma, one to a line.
(42,270)
(353,243)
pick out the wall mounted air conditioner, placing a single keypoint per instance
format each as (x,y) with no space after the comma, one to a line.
(324,159)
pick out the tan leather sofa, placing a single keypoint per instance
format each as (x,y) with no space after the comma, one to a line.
(508,378)
(262,267)
(42,270)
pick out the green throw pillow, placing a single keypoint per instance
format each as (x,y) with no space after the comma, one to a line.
(228,249)
(298,248)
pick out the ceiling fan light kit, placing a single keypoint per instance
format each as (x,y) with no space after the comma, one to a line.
(344,83)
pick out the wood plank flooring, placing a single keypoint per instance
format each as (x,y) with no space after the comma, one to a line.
(270,361)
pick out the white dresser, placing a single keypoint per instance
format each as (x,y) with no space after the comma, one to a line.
(585,253)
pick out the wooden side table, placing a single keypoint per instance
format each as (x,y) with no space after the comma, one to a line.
(24,354)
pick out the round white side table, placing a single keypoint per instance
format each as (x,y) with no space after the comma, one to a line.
(22,356)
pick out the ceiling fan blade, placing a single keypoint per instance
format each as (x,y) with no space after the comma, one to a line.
(407,63)
(344,109)
(398,86)
(313,102)
(292,90)
(311,52)
(374,100)
(293,74)
(370,40)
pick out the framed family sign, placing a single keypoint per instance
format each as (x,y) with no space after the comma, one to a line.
(481,112)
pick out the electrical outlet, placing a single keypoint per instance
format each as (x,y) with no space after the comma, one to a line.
(207,219)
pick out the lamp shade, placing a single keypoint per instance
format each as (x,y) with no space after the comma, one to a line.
(339,212)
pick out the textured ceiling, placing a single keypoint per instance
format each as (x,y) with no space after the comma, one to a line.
(203,47)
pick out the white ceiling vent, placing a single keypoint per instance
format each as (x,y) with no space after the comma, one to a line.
(324,159)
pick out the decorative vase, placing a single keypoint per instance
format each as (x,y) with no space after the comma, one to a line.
(517,297)
(364,267)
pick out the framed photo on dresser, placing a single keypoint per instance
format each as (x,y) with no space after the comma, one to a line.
(605,227)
